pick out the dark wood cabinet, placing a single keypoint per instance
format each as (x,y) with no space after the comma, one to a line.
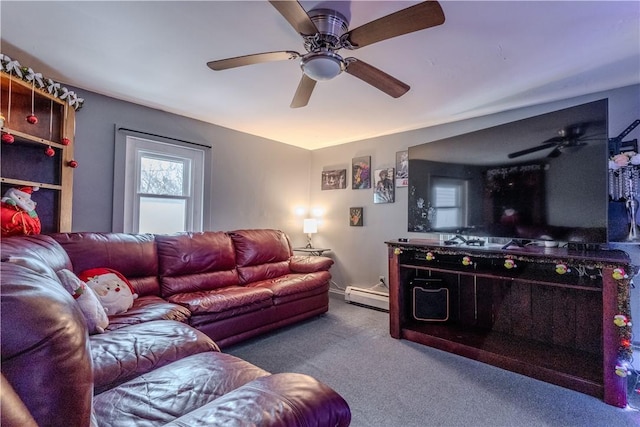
(547,313)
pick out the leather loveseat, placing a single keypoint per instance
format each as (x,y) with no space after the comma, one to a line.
(150,367)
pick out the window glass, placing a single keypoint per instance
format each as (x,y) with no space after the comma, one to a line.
(162,176)
(449,201)
(159,215)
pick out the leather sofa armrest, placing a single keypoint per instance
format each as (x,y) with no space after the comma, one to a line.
(13,412)
(309,264)
(278,400)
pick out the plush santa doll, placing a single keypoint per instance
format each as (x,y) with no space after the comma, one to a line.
(113,290)
(18,212)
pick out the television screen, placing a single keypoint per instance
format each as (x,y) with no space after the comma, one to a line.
(540,178)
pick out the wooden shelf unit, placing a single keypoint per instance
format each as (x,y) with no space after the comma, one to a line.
(24,162)
(528,319)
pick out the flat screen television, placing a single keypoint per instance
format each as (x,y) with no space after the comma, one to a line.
(539,178)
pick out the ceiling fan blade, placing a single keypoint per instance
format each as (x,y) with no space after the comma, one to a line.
(531,150)
(303,93)
(376,78)
(256,58)
(295,15)
(414,18)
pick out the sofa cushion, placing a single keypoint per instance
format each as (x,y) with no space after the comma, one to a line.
(190,262)
(294,400)
(261,254)
(133,255)
(149,308)
(168,392)
(225,300)
(134,350)
(295,286)
(254,247)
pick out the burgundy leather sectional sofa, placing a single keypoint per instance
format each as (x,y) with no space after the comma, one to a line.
(160,362)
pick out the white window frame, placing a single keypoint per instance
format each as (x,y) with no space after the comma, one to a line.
(130,148)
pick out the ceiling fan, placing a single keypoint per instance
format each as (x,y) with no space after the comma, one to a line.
(326,31)
(571,137)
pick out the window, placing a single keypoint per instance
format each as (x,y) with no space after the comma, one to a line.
(449,197)
(163,187)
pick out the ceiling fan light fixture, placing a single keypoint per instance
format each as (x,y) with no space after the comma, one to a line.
(322,66)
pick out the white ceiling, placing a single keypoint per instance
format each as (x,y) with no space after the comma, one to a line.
(487,57)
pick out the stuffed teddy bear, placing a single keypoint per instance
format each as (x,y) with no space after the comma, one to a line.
(113,290)
(18,212)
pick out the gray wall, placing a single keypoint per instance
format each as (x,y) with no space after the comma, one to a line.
(255,182)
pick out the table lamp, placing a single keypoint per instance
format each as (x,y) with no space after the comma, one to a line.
(310,226)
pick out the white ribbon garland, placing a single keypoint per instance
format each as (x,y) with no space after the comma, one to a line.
(53,88)
(32,76)
(13,67)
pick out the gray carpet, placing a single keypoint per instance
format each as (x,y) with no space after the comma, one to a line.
(390,383)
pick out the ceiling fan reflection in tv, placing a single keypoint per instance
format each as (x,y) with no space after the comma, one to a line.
(569,138)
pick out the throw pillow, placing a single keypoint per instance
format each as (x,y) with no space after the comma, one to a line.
(93,312)
(113,289)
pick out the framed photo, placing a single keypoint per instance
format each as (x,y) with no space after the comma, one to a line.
(356,217)
(402,168)
(361,172)
(334,180)
(384,191)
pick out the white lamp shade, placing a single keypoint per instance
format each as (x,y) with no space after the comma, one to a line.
(310,226)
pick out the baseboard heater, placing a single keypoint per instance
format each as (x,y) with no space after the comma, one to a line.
(367,297)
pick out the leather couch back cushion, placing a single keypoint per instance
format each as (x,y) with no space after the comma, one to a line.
(256,247)
(191,262)
(135,256)
(42,247)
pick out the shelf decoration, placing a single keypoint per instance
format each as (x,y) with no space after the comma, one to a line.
(466,260)
(562,268)
(50,152)
(7,138)
(509,263)
(430,256)
(13,67)
(623,317)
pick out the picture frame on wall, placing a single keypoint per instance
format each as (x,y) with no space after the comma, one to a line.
(384,191)
(334,179)
(361,172)
(356,216)
(402,168)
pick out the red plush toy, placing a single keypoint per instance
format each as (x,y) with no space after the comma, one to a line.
(18,212)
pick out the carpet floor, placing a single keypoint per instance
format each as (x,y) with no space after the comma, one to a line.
(397,383)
